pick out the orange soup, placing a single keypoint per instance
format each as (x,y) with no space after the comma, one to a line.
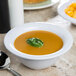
(33,1)
(51,43)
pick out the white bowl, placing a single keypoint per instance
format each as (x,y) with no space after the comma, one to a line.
(61,11)
(41,5)
(35,61)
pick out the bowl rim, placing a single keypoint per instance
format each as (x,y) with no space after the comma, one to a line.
(38,57)
(41,7)
(62,13)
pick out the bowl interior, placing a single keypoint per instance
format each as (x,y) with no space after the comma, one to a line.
(14,33)
(61,11)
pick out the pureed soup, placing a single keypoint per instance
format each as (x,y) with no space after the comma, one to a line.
(38,42)
(33,1)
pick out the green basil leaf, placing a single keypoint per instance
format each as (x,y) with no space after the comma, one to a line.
(35,42)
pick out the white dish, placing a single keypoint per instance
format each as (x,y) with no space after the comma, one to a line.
(35,61)
(41,5)
(61,11)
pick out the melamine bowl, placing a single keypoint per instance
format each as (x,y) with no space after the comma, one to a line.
(38,61)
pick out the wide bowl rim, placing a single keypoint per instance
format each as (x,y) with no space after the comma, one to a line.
(41,7)
(40,57)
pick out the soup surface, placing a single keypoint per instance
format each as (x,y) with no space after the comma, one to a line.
(33,1)
(52,43)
